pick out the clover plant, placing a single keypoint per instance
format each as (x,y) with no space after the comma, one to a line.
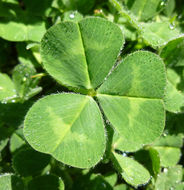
(91,95)
(70,126)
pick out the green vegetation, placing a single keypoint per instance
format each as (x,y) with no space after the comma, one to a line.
(91,94)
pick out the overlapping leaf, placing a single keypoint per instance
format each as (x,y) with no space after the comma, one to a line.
(130,94)
(46,182)
(144,9)
(81,53)
(68,126)
(133,172)
(7,88)
(18,25)
(11,182)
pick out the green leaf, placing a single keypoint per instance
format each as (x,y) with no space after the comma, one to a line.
(144,9)
(17,140)
(170,7)
(154,33)
(38,8)
(128,78)
(22,27)
(13,114)
(10,182)
(173,52)
(170,140)
(3,143)
(25,166)
(22,78)
(25,55)
(81,53)
(169,149)
(11,1)
(7,89)
(98,182)
(46,182)
(169,156)
(173,77)
(179,186)
(121,187)
(111,178)
(150,159)
(154,155)
(132,93)
(132,172)
(174,99)
(169,178)
(76,125)
(82,5)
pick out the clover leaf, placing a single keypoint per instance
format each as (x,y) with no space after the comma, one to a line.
(11,182)
(81,56)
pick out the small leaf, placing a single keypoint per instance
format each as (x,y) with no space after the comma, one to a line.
(3,143)
(83,6)
(46,182)
(169,156)
(170,7)
(17,140)
(150,158)
(169,178)
(21,26)
(25,166)
(121,187)
(132,172)
(23,81)
(38,8)
(173,52)
(144,9)
(170,140)
(7,89)
(174,100)
(111,178)
(168,148)
(13,114)
(157,38)
(25,55)
(10,182)
(98,182)
(67,126)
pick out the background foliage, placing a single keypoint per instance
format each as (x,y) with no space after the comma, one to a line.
(156,26)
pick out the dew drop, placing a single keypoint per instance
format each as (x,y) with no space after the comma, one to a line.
(171,26)
(124,154)
(162,3)
(165,170)
(72,16)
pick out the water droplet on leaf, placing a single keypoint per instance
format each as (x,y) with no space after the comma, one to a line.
(72,15)
(171,26)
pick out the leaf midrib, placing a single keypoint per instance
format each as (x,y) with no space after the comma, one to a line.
(89,86)
(130,97)
(71,124)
